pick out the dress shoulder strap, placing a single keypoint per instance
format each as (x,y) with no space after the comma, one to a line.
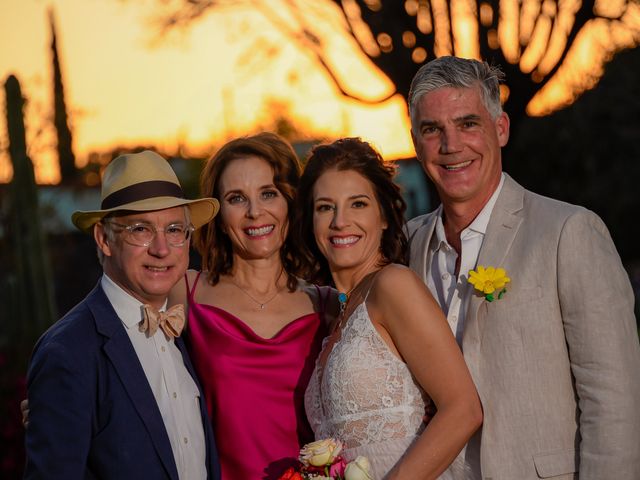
(191,291)
(371,282)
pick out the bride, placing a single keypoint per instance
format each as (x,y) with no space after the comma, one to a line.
(391,351)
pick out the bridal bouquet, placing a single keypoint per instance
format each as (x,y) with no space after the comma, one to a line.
(321,460)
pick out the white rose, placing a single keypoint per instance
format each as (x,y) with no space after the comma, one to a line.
(321,452)
(359,469)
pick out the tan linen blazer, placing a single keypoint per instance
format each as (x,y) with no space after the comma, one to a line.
(556,361)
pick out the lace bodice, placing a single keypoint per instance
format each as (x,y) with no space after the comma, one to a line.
(364,394)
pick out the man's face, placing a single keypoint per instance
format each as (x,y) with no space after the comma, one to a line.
(458,144)
(146,273)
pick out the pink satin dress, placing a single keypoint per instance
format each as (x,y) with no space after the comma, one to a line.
(254,387)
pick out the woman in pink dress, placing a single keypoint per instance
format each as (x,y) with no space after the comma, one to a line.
(254,329)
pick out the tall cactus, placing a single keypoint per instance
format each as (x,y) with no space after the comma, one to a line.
(30,301)
(67,159)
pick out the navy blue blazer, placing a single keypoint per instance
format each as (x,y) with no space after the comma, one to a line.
(92,413)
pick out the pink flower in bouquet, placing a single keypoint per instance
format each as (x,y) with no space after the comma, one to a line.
(336,470)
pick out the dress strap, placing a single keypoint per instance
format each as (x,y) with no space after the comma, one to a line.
(191,291)
(373,279)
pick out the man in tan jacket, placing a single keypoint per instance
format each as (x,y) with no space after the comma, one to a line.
(555,357)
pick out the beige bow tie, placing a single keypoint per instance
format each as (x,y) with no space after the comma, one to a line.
(171,321)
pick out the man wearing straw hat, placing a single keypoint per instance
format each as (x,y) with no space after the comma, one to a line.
(112,393)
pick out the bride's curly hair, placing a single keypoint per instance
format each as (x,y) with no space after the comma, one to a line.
(342,155)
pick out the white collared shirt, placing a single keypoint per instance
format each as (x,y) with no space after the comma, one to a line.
(173,387)
(453,292)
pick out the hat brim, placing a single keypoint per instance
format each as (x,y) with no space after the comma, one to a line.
(202,210)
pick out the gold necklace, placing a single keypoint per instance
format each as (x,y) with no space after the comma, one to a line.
(261,304)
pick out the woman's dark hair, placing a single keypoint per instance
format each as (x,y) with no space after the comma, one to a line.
(357,155)
(211,242)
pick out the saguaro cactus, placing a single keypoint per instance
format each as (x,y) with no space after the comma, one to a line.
(29,291)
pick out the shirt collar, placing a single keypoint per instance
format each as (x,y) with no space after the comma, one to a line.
(481,222)
(440,237)
(128,308)
(478,225)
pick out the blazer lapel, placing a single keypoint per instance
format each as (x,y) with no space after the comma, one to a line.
(120,351)
(504,223)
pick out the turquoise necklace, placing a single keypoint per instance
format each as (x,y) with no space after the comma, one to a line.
(343,298)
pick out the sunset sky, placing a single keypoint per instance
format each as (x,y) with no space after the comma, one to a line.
(236,69)
(126,86)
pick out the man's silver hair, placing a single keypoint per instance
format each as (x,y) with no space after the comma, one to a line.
(111,235)
(457,73)
(111,238)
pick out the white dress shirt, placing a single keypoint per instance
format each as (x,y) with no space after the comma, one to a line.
(450,290)
(453,291)
(173,387)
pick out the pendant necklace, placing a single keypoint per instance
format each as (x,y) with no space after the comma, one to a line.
(262,305)
(343,298)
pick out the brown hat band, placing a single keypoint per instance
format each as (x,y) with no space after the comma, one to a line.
(142,191)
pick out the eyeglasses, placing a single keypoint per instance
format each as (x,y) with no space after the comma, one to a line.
(142,234)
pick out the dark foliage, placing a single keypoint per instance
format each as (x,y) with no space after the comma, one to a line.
(588,153)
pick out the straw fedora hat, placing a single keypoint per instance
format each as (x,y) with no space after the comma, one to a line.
(143,182)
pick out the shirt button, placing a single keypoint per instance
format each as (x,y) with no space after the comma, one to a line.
(186,440)
(175,395)
(162,348)
(445,276)
(454,318)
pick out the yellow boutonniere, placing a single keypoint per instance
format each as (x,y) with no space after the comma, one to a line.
(489,280)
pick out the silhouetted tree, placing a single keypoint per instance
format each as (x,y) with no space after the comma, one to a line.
(545,47)
(531,40)
(68,171)
(590,153)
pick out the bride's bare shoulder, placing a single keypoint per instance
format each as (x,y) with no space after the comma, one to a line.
(394,272)
(397,282)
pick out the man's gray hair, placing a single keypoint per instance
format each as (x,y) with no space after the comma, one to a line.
(111,236)
(457,73)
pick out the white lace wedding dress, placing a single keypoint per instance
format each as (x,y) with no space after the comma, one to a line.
(366,397)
